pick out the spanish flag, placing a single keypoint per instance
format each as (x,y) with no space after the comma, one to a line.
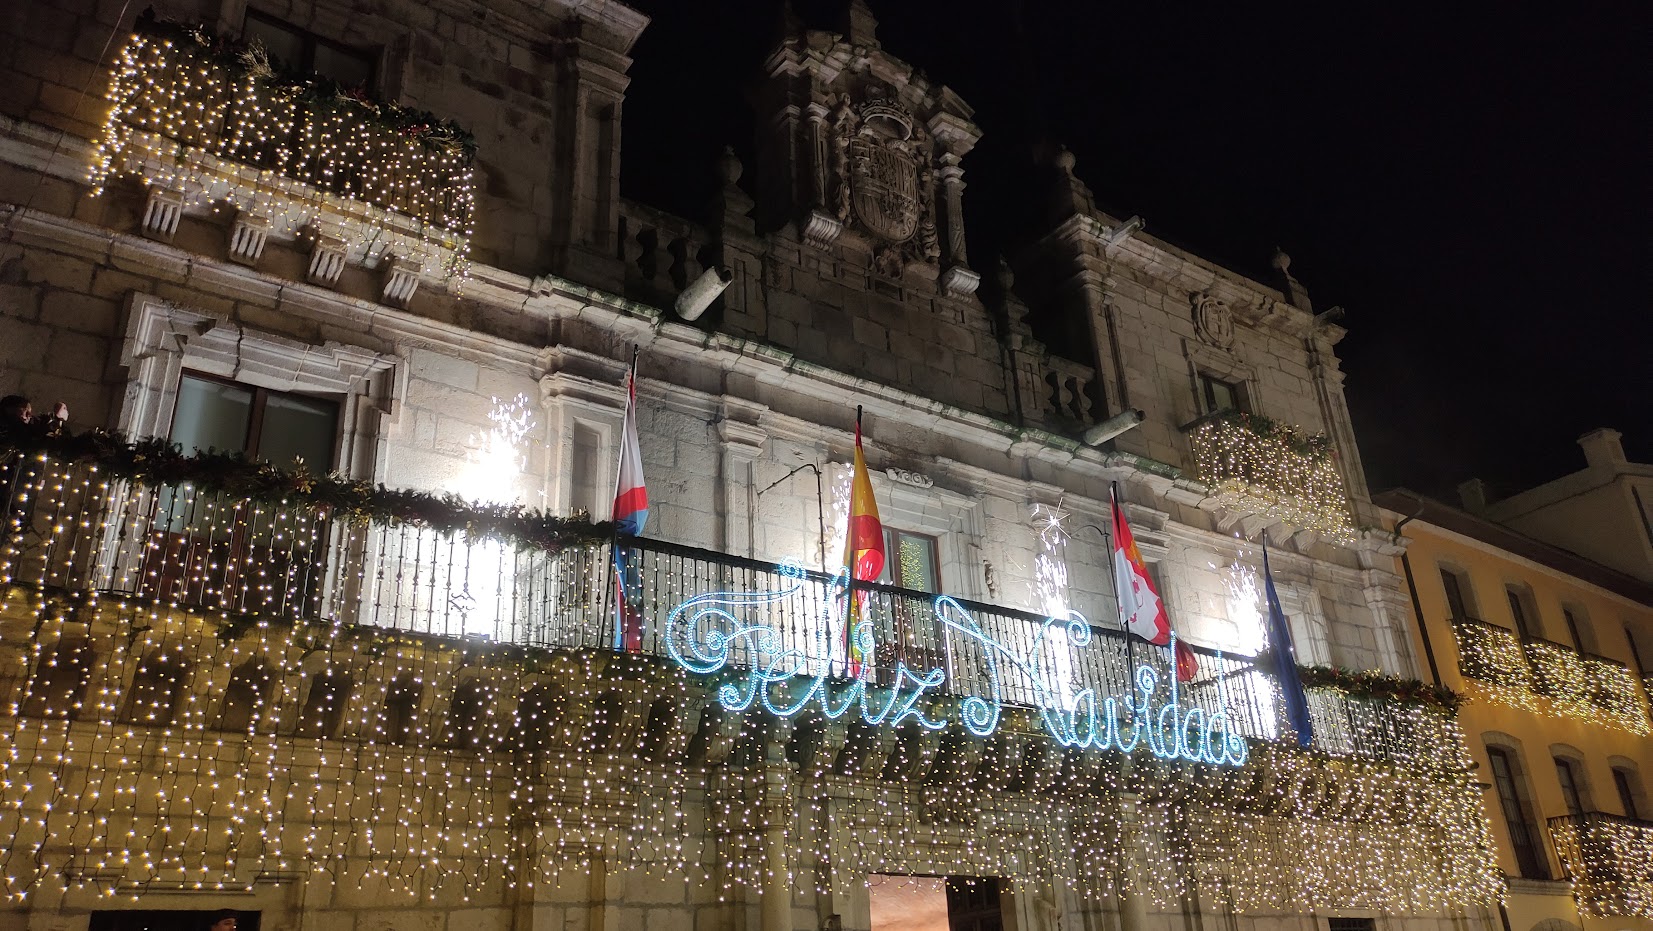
(863,549)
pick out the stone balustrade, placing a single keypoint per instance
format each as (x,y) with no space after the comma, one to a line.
(204,124)
(1256,466)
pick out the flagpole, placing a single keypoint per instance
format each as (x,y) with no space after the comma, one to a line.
(1119,606)
(625,409)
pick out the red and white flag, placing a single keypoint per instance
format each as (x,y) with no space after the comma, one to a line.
(1141,611)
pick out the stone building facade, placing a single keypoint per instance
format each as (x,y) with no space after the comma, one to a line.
(349,719)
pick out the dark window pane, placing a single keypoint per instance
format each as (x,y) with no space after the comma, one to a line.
(349,67)
(1627,796)
(1518,611)
(1572,629)
(211,415)
(1454,594)
(298,428)
(1569,786)
(284,44)
(1515,818)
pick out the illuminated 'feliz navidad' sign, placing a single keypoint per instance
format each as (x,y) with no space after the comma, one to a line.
(704,635)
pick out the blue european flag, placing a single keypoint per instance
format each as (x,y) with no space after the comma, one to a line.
(1284,657)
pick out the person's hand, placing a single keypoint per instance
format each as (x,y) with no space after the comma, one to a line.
(60,411)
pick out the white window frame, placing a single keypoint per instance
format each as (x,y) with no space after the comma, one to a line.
(163,340)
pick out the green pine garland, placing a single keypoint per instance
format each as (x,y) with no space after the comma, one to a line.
(1370,683)
(1296,439)
(317,92)
(155,462)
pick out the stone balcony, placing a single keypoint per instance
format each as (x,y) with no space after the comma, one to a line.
(1610,862)
(1541,675)
(204,125)
(1267,473)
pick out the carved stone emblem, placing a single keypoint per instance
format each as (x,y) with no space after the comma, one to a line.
(885,180)
(883,189)
(1213,320)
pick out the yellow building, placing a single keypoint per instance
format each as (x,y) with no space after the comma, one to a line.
(1549,649)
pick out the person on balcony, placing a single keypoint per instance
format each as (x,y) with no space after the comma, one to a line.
(17,416)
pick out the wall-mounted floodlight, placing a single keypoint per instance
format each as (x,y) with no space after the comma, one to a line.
(1112,427)
(1124,231)
(699,295)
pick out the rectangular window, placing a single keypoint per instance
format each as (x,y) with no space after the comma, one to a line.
(1569,786)
(1525,625)
(283,429)
(910,561)
(205,550)
(1351,924)
(1627,794)
(305,52)
(1454,586)
(1523,838)
(1635,652)
(1219,395)
(1573,629)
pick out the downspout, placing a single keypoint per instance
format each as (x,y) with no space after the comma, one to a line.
(1417,612)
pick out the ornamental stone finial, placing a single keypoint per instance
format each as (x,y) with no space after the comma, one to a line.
(1281,261)
(729,168)
(1065,160)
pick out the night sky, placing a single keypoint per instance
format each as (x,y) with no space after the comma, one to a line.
(1470,186)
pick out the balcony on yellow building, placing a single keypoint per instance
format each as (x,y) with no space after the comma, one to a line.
(1277,472)
(1548,677)
(1609,860)
(203,122)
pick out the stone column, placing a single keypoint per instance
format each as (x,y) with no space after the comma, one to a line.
(743,442)
(1133,905)
(1328,389)
(952,186)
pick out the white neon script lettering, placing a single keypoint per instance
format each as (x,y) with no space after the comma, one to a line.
(760,665)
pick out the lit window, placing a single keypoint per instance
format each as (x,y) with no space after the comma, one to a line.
(910,561)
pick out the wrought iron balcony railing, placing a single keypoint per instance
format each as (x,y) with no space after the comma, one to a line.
(1519,671)
(71,528)
(1609,860)
(1259,466)
(1491,654)
(1586,686)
